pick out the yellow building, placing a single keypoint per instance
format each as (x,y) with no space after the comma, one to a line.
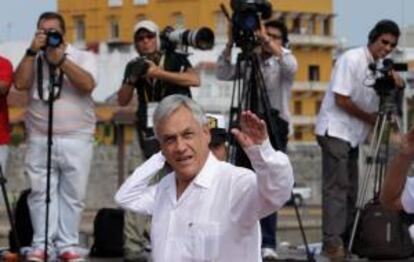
(310,24)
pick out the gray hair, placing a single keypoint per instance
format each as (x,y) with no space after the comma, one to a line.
(171,103)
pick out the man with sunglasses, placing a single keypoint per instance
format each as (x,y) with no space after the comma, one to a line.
(347,114)
(278,66)
(154,75)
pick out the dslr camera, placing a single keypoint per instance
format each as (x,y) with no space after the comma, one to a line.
(201,38)
(246,20)
(53,39)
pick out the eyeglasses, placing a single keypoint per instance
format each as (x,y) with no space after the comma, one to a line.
(140,38)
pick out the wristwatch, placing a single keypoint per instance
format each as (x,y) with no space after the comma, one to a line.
(30,52)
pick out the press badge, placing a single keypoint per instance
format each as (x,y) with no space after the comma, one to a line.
(151,106)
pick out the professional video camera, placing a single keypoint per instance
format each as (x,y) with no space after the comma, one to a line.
(384,83)
(201,38)
(246,20)
(53,38)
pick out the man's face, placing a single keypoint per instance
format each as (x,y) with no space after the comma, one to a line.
(50,24)
(383,45)
(145,42)
(184,143)
(275,36)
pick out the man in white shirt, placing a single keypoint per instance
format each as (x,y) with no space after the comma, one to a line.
(50,62)
(346,116)
(206,209)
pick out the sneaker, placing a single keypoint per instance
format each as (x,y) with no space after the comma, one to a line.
(269,254)
(334,253)
(71,256)
(36,255)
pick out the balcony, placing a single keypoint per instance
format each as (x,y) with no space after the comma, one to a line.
(310,86)
(312,40)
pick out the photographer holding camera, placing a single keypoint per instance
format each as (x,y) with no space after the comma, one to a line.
(51,63)
(278,66)
(347,114)
(155,74)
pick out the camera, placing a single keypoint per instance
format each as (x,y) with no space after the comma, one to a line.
(246,20)
(135,69)
(384,83)
(201,38)
(53,39)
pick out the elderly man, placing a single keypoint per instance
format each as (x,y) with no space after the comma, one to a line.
(199,214)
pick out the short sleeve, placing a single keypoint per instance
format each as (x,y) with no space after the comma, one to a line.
(6,71)
(342,78)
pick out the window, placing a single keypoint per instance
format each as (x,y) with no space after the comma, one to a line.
(298,134)
(296,25)
(113,29)
(311,26)
(297,107)
(140,2)
(313,73)
(79,29)
(178,21)
(140,17)
(326,25)
(114,3)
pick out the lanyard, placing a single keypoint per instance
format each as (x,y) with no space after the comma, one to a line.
(55,81)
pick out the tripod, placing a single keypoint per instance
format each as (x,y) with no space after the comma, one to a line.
(10,216)
(377,160)
(250,93)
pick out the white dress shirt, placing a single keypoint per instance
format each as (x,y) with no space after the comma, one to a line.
(351,77)
(407,197)
(217,216)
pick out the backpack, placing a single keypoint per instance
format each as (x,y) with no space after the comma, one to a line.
(108,230)
(23,222)
(383,233)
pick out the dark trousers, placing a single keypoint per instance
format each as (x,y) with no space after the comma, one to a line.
(339,189)
(268,224)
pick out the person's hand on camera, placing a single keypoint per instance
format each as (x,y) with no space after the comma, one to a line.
(39,40)
(252,130)
(55,55)
(152,70)
(267,42)
(398,80)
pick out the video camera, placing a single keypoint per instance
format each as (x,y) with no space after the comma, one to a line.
(53,38)
(384,82)
(201,38)
(246,20)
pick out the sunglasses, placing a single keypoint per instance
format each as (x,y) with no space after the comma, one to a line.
(141,37)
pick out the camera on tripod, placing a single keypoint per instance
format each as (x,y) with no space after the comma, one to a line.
(246,21)
(384,82)
(53,38)
(201,38)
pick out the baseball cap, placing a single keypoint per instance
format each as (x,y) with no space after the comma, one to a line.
(217,129)
(147,25)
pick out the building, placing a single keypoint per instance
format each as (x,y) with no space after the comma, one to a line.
(310,23)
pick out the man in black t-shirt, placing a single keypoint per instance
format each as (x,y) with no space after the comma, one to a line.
(155,74)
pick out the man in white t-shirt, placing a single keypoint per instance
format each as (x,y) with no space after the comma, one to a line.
(347,114)
(49,63)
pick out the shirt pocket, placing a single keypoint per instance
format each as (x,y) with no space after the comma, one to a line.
(200,242)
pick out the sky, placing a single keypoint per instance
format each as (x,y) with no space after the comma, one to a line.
(353,20)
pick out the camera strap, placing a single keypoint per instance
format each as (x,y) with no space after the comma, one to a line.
(55,81)
(152,84)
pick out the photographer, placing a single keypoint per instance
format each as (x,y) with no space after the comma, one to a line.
(154,75)
(6,79)
(278,66)
(347,114)
(73,72)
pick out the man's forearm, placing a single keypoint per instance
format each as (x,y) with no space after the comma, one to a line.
(125,94)
(79,77)
(348,106)
(24,75)
(395,180)
(184,79)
